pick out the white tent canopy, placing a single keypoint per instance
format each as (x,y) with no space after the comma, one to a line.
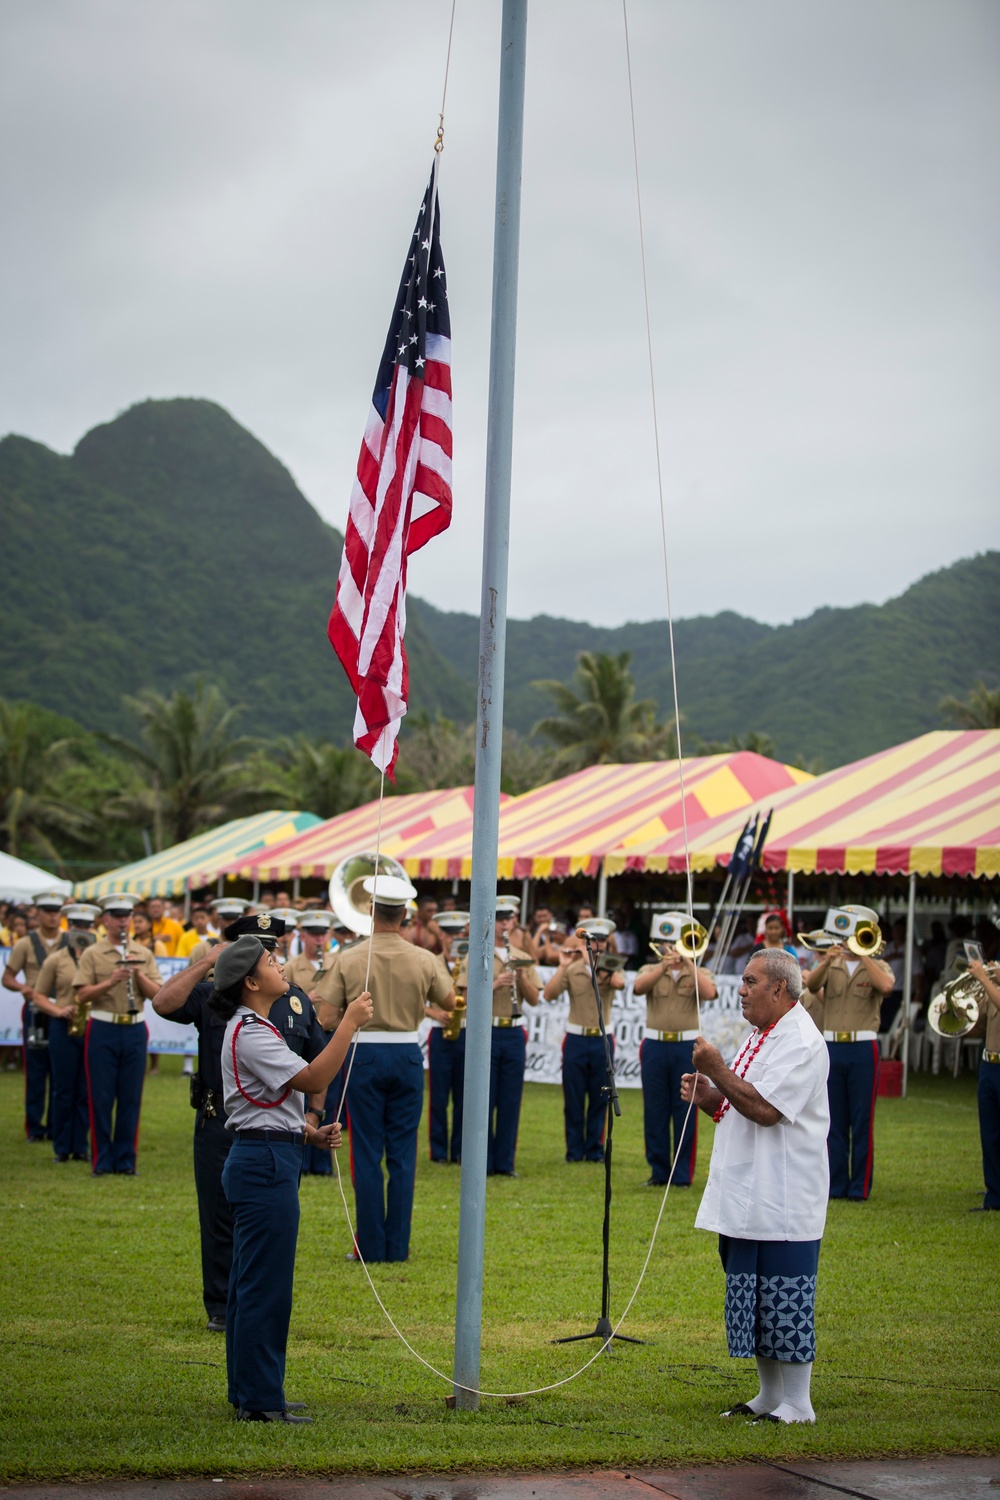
(20,881)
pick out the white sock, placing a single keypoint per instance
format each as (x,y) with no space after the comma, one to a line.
(795,1405)
(771,1393)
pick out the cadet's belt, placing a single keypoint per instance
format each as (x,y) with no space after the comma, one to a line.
(993,1057)
(670,1036)
(849,1036)
(296,1137)
(573,1030)
(388,1036)
(128,1019)
(508,1020)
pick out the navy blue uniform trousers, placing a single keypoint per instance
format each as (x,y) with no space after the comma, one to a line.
(661,1065)
(989,1130)
(261,1181)
(446,1067)
(212,1142)
(384,1101)
(851,1089)
(585,1105)
(37,1069)
(116,1071)
(68,1109)
(508,1050)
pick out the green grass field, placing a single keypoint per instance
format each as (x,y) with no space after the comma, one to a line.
(108,1370)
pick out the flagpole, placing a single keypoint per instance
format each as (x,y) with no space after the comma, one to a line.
(489,716)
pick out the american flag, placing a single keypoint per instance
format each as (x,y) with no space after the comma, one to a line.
(402,493)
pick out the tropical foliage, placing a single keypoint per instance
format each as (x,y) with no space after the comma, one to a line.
(600,720)
(34,815)
(980,710)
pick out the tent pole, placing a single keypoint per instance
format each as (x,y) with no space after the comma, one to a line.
(219,885)
(295,888)
(790,900)
(911,913)
(256,889)
(187,900)
(602,891)
(489,715)
(525,898)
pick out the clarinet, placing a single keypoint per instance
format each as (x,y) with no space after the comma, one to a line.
(515,999)
(130,985)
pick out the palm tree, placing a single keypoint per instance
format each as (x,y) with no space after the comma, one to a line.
(980,710)
(603,723)
(435,753)
(32,813)
(323,778)
(193,763)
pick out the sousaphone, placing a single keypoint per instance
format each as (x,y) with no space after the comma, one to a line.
(351,903)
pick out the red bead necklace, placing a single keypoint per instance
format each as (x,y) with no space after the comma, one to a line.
(760,1037)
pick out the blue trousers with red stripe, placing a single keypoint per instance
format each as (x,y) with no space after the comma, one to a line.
(585,1104)
(851,1089)
(385,1099)
(116,1071)
(508,1053)
(37,1076)
(661,1065)
(989,1130)
(69,1090)
(446,1078)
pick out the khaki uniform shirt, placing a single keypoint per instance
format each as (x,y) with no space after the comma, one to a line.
(850,1002)
(22,958)
(201,949)
(99,963)
(55,979)
(503,999)
(403,979)
(671,1005)
(577,982)
(317,982)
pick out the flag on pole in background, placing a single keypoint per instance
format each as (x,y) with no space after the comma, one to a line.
(402,494)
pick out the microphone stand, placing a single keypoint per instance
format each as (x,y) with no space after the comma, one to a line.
(604,1330)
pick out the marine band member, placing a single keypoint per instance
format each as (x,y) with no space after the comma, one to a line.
(56,996)
(673,988)
(114,978)
(584,1068)
(845,1002)
(509,1044)
(26,957)
(385,1094)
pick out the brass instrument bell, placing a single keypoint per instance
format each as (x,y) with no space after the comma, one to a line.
(350,901)
(955,1011)
(682,932)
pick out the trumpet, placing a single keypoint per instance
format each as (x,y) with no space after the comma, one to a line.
(956,1010)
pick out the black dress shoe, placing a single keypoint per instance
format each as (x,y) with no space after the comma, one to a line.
(216,1323)
(60,1156)
(982,1208)
(270,1416)
(506,1174)
(80,1156)
(296,1405)
(655,1182)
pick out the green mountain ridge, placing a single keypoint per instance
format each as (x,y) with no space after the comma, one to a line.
(171,545)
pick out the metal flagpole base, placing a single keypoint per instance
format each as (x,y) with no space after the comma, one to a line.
(603,1331)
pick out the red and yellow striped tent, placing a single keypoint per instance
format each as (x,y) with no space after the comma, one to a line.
(929,807)
(317,854)
(567,827)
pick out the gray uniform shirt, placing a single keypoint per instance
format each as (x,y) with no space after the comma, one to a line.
(256,1067)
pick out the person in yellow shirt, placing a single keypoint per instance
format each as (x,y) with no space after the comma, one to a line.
(199,931)
(165,928)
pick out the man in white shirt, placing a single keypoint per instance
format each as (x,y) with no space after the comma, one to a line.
(768,1182)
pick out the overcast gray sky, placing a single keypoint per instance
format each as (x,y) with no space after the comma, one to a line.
(214,198)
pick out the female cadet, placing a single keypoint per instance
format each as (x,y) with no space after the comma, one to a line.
(264,1083)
